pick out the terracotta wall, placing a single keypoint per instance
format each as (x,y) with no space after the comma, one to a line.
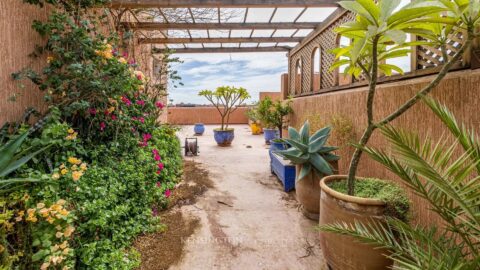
(460,91)
(206,115)
(17,42)
(272,95)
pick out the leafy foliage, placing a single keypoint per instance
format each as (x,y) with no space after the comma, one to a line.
(272,114)
(449,182)
(225,99)
(309,151)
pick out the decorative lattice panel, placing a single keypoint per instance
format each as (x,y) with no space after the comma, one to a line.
(326,40)
(428,57)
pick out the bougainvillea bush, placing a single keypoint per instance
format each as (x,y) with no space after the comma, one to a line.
(108,167)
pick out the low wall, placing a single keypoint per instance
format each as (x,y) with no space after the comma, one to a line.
(272,95)
(460,91)
(206,115)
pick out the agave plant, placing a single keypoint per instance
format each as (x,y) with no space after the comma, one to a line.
(448,181)
(10,161)
(309,151)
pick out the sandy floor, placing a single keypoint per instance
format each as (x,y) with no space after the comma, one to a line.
(246,220)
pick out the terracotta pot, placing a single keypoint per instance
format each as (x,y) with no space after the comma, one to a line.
(308,191)
(343,252)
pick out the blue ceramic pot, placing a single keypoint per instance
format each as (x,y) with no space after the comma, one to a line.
(270,134)
(275,146)
(224,137)
(199,129)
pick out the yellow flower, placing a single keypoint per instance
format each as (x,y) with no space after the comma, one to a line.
(74,160)
(45,266)
(56,207)
(63,212)
(50,59)
(74,168)
(61,202)
(55,248)
(59,234)
(21,213)
(58,227)
(40,205)
(65,251)
(70,131)
(44,212)
(64,171)
(26,197)
(2,248)
(76,175)
(65,268)
(50,220)
(111,109)
(55,176)
(31,219)
(68,232)
(83,166)
(72,136)
(64,245)
(122,60)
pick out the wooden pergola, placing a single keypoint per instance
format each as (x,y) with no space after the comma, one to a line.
(226,41)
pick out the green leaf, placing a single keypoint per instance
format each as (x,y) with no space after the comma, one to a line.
(18,163)
(321,132)
(357,8)
(293,134)
(8,151)
(387,7)
(320,164)
(304,171)
(397,36)
(305,132)
(318,144)
(300,146)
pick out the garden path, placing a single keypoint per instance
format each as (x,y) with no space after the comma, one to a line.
(247,220)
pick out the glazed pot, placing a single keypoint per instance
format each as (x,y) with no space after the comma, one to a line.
(343,252)
(256,128)
(224,137)
(307,191)
(274,146)
(270,134)
(199,128)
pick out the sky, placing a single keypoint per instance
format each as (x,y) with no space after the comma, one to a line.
(254,71)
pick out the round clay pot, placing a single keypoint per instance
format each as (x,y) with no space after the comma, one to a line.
(308,191)
(344,252)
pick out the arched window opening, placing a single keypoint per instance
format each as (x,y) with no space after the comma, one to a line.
(316,69)
(298,76)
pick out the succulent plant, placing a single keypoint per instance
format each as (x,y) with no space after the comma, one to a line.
(309,151)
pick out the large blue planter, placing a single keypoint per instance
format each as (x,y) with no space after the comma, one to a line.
(224,137)
(275,146)
(270,134)
(199,129)
(284,170)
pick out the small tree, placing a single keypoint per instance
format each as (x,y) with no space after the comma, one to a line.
(226,100)
(379,33)
(272,114)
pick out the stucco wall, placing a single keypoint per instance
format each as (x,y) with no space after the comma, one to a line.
(206,115)
(460,91)
(17,42)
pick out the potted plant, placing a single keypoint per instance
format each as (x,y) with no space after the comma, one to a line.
(453,196)
(313,160)
(254,120)
(272,115)
(378,34)
(226,100)
(199,129)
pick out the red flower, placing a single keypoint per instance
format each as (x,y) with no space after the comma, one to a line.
(141,119)
(126,101)
(140,102)
(102,126)
(168,193)
(92,111)
(160,166)
(159,105)
(159,184)
(114,117)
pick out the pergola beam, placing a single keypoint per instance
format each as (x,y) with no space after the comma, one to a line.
(219,40)
(221,3)
(218,26)
(229,50)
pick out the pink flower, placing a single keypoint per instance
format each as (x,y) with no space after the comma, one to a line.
(154,211)
(142,144)
(157,158)
(159,184)
(131,62)
(114,117)
(146,137)
(102,126)
(106,112)
(125,54)
(126,101)
(155,152)
(134,118)
(141,119)
(92,111)
(158,171)
(160,166)
(168,193)
(159,105)
(141,102)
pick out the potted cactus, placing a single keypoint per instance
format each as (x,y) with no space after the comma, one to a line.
(226,100)
(314,160)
